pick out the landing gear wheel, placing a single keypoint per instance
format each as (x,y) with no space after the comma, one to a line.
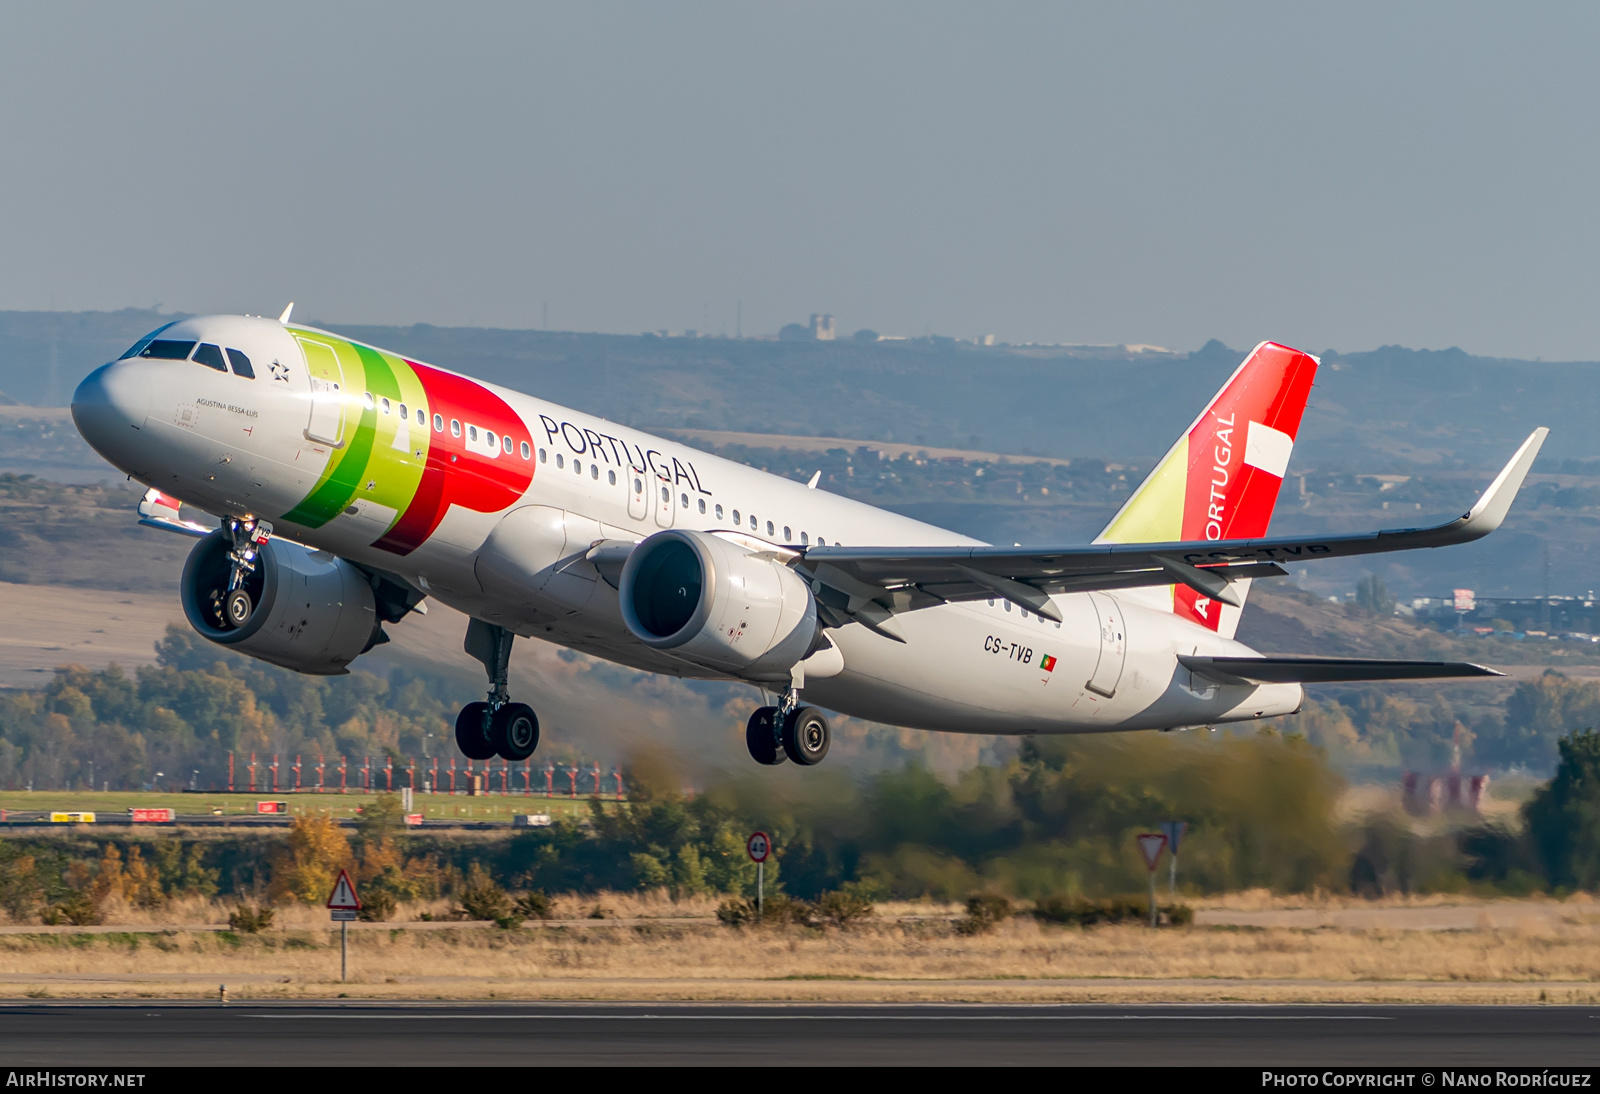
(514,732)
(237,607)
(471,738)
(805,736)
(761,737)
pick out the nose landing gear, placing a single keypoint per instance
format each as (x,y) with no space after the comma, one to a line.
(497,727)
(234,605)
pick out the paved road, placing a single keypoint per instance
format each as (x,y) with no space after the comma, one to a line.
(129,1035)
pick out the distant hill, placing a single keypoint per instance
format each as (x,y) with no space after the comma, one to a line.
(1390,408)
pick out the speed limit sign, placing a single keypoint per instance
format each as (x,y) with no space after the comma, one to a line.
(759,846)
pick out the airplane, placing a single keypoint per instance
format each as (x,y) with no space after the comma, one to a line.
(352,484)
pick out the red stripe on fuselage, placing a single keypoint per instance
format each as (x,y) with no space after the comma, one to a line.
(455,473)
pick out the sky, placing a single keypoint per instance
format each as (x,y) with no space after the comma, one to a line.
(1332,176)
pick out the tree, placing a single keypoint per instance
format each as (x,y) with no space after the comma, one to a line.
(1373,595)
(306,869)
(1564,816)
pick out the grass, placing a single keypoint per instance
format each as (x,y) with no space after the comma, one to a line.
(492,807)
(1557,961)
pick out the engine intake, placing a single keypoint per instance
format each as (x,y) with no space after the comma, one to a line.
(717,604)
(311,612)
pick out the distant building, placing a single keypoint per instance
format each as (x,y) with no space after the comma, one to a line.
(822,328)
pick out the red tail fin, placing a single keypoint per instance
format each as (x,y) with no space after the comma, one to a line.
(1221,480)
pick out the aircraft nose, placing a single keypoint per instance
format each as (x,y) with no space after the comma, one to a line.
(108,406)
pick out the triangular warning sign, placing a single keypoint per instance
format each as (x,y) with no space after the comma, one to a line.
(344,895)
(1150,846)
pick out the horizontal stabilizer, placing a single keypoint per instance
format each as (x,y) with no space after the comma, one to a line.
(1324,670)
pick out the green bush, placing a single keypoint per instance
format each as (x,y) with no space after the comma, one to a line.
(1564,816)
(377,906)
(1084,912)
(985,911)
(482,898)
(533,905)
(841,908)
(249,918)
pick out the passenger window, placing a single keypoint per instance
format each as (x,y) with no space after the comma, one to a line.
(821,542)
(544,455)
(506,445)
(494,442)
(163,350)
(736,517)
(1007,604)
(438,423)
(560,460)
(787,535)
(638,486)
(241,365)
(666,495)
(769,528)
(404,413)
(594,471)
(683,500)
(526,451)
(472,432)
(386,406)
(366,399)
(421,418)
(455,427)
(577,466)
(611,478)
(804,541)
(752,522)
(702,505)
(210,356)
(719,512)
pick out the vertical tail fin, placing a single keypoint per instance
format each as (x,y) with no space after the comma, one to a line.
(1221,480)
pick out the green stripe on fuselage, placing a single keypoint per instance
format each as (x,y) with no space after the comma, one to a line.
(377,462)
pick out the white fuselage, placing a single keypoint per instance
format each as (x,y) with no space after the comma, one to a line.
(236,446)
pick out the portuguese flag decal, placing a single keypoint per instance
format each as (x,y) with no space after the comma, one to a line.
(1047,663)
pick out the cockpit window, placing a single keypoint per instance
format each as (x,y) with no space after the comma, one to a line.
(241,364)
(163,350)
(138,347)
(210,356)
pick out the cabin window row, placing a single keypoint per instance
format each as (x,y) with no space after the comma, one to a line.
(683,501)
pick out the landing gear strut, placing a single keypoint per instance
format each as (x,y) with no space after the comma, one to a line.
(787,731)
(497,727)
(245,539)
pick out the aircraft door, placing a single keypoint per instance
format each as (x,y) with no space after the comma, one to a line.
(662,501)
(326,424)
(1113,645)
(638,494)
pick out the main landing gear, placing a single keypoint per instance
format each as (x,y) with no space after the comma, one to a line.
(497,727)
(788,730)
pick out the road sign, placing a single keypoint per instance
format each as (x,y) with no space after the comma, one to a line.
(154,816)
(272,807)
(72,818)
(1174,831)
(343,915)
(759,846)
(344,897)
(1150,846)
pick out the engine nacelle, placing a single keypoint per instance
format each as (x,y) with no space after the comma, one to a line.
(313,612)
(717,604)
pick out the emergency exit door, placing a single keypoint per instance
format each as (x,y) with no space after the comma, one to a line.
(1113,645)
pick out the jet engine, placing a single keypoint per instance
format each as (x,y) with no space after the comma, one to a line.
(717,604)
(307,610)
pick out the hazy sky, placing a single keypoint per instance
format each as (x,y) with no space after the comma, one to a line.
(1331,175)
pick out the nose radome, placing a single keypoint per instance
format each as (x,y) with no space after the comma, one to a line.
(110,403)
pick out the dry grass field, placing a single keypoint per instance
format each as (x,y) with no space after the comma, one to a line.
(1527,951)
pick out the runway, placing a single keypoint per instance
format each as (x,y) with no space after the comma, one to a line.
(364,1034)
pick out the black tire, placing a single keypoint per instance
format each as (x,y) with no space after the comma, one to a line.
(237,607)
(805,736)
(761,737)
(471,736)
(514,732)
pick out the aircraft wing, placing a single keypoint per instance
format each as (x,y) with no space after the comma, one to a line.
(870,584)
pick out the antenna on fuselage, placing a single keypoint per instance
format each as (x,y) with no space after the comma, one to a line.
(284,318)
